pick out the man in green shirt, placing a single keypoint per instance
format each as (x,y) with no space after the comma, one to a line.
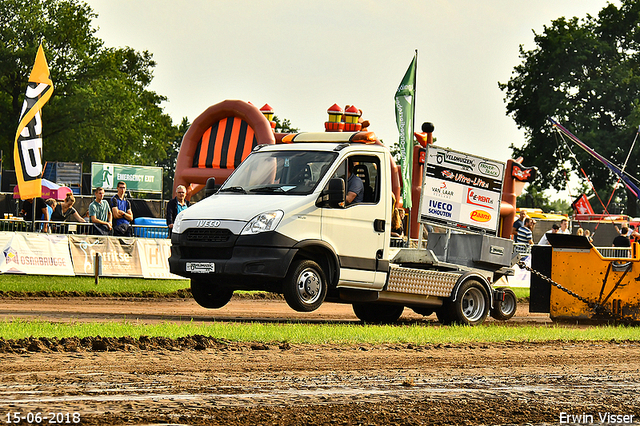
(100,213)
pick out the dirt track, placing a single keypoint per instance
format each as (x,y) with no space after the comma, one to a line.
(207,381)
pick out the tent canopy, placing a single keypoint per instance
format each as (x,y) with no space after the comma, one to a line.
(49,190)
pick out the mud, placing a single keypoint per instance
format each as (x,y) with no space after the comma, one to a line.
(201,380)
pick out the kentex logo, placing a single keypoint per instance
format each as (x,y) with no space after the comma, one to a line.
(10,255)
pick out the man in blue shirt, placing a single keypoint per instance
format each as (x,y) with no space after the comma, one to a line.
(121,210)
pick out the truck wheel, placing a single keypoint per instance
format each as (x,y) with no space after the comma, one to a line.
(305,286)
(472,304)
(505,309)
(374,313)
(209,295)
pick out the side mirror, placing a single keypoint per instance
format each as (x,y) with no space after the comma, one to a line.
(210,187)
(335,193)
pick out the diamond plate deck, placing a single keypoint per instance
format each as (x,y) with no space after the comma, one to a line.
(418,281)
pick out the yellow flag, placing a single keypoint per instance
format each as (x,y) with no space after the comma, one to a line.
(27,152)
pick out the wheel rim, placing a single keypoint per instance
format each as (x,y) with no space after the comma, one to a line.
(309,286)
(508,305)
(473,304)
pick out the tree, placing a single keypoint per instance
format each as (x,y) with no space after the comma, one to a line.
(101,109)
(586,74)
(284,125)
(169,163)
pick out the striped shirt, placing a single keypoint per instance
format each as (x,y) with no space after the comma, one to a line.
(524,235)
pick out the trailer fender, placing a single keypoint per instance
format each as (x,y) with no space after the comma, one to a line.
(323,254)
(475,276)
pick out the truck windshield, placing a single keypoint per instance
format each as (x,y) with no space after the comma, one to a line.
(280,172)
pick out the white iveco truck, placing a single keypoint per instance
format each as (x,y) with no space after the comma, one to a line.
(280,223)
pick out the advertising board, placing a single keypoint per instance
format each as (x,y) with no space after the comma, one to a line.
(461,191)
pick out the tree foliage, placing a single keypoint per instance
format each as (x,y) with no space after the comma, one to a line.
(101,108)
(585,73)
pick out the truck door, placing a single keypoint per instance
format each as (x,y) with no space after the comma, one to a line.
(357,231)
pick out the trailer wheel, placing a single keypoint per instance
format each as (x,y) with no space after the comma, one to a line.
(374,313)
(471,307)
(305,286)
(209,295)
(505,309)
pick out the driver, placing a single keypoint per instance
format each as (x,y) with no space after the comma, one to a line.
(355,187)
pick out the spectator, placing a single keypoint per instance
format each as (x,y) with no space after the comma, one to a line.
(121,212)
(100,214)
(176,205)
(564,227)
(588,236)
(397,230)
(543,240)
(518,223)
(580,232)
(622,240)
(64,210)
(51,204)
(525,233)
(41,206)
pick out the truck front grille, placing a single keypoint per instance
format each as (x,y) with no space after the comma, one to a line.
(208,235)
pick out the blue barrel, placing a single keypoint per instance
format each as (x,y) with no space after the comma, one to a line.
(160,230)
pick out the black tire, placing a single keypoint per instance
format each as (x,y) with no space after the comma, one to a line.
(471,306)
(209,295)
(374,313)
(505,309)
(305,286)
(423,311)
(444,313)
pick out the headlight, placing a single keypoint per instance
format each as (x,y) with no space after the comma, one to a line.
(267,221)
(177,223)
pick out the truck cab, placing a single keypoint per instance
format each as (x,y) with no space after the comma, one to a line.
(281,223)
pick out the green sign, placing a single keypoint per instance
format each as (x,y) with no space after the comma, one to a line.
(137,178)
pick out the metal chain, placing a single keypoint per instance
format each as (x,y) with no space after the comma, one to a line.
(598,308)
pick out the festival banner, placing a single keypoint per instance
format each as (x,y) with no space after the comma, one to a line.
(35,254)
(120,256)
(404,102)
(27,152)
(461,191)
(154,258)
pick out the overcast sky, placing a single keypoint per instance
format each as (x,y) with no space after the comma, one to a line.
(301,57)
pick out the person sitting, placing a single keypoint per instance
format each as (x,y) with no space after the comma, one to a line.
(121,212)
(65,211)
(100,213)
(355,187)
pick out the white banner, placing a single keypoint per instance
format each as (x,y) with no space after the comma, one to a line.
(154,258)
(461,191)
(35,254)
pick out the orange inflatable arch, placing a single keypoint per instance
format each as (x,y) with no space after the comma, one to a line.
(217,141)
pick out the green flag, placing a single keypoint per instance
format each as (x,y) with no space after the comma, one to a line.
(404,119)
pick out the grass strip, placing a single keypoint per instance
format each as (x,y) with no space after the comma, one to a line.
(296,333)
(60,284)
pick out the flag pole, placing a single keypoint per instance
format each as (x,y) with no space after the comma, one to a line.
(413,124)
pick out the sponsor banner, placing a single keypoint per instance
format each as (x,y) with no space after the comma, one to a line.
(120,256)
(154,258)
(461,191)
(35,254)
(137,178)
